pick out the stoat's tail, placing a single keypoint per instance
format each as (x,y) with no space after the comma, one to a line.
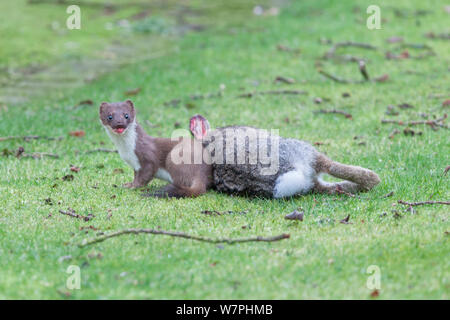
(358,178)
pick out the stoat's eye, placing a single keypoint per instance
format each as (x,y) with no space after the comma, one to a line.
(110,117)
(126,116)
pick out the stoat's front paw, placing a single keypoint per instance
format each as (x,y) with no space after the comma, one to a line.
(129,185)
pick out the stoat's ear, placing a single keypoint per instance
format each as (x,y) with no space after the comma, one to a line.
(103,106)
(132,111)
(130,103)
(199,126)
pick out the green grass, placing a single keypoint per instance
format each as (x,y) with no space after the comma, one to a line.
(323,258)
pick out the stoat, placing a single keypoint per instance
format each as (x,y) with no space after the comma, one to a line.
(173,160)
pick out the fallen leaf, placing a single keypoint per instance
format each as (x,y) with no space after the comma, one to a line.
(65,294)
(74,169)
(408,131)
(68,177)
(89,227)
(85,102)
(397,215)
(19,152)
(64,258)
(78,133)
(390,194)
(375,293)
(284,80)
(132,92)
(295,215)
(382,78)
(394,39)
(404,54)
(345,220)
(318,100)
(173,102)
(281,47)
(405,106)
(140,15)
(190,105)
(390,111)
(446,170)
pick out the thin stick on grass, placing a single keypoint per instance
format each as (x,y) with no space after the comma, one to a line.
(28,138)
(336,78)
(101,150)
(71,213)
(346,114)
(363,70)
(182,235)
(393,133)
(414,204)
(39,155)
(431,123)
(274,92)
(332,51)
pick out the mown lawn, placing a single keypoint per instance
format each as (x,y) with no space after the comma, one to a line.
(323,258)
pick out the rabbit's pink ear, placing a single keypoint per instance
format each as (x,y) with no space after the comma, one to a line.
(199,126)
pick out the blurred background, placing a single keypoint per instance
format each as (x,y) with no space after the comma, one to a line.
(38,51)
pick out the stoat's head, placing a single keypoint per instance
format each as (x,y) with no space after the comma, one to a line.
(117,116)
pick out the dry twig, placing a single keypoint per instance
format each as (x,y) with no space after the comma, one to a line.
(346,114)
(275,92)
(28,138)
(181,235)
(332,52)
(432,123)
(413,204)
(71,213)
(101,150)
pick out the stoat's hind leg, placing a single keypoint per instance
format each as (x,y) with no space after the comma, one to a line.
(172,191)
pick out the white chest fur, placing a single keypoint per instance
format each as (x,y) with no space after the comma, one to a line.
(126,144)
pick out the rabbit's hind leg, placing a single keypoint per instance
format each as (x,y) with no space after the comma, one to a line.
(321,186)
(365,179)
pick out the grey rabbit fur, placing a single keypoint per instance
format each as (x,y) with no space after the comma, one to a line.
(290,167)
